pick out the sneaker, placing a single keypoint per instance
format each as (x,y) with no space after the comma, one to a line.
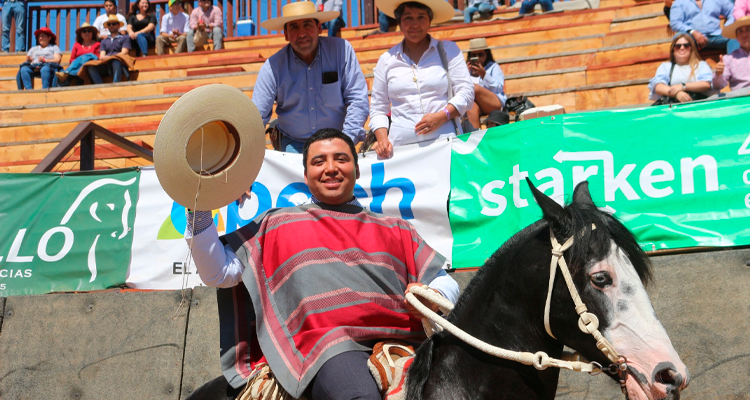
(62,76)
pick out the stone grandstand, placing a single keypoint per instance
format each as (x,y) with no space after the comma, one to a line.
(582,60)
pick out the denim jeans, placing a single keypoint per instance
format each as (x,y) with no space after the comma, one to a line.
(216,34)
(385,21)
(27,72)
(290,145)
(334,27)
(114,68)
(527,7)
(143,41)
(714,42)
(14,10)
(483,8)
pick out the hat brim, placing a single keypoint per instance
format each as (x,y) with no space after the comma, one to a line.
(233,174)
(277,24)
(477,49)
(38,31)
(91,28)
(730,31)
(441,10)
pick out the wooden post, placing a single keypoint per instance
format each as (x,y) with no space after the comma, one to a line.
(370,12)
(87,152)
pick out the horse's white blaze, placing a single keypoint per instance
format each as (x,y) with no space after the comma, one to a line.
(634,329)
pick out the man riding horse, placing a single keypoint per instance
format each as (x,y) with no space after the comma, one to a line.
(323,282)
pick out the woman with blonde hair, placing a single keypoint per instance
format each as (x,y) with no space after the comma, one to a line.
(685,77)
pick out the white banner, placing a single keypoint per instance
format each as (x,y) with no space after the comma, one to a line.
(413,184)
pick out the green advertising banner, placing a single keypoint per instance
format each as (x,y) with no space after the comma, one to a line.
(677,177)
(66,232)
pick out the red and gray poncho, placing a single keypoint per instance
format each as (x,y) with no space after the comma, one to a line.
(322,280)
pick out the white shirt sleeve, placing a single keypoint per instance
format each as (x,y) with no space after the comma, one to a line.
(217,265)
(463,87)
(446,285)
(380,103)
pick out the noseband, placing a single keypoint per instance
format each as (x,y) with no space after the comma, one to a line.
(587,322)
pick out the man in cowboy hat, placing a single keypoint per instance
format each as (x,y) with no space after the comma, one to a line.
(173,29)
(734,69)
(110,8)
(324,281)
(315,81)
(115,44)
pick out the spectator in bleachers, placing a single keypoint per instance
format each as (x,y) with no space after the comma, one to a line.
(411,82)
(334,26)
(734,69)
(86,48)
(741,9)
(14,10)
(209,20)
(173,29)
(385,22)
(110,8)
(42,61)
(315,81)
(141,26)
(702,21)
(527,7)
(115,45)
(685,77)
(484,7)
(488,78)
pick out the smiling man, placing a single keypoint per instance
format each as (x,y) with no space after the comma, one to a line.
(324,281)
(315,81)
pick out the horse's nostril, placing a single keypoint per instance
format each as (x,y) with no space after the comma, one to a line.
(668,376)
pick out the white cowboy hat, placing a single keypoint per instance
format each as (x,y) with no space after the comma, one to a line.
(441,10)
(730,31)
(209,147)
(476,45)
(297,11)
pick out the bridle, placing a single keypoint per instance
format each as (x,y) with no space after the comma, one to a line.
(587,322)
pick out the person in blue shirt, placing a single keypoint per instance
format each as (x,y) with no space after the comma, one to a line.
(334,26)
(484,7)
(316,82)
(701,21)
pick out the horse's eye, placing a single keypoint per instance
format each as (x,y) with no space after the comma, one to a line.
(601,279)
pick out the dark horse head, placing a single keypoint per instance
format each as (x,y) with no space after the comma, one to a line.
(504,306)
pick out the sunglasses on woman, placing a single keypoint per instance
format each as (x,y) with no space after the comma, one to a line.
(678,46)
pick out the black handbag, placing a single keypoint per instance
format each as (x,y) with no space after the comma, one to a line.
(663,100)
(518,105)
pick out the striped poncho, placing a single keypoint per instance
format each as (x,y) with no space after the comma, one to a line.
(322,280)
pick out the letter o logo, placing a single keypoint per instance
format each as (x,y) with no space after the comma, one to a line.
(42,249)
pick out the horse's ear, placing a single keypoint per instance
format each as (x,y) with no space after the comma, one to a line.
(552,211)
(582,196)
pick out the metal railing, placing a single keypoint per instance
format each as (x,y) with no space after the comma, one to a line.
(66,15)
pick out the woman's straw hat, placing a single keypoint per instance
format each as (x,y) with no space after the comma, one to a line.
(441,10)
(209,147)
(87,27)
(730,31)
(477,45)
(297,11)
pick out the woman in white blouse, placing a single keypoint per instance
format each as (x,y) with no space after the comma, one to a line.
(410,81)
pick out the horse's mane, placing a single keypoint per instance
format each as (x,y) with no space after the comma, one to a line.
(592,245)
